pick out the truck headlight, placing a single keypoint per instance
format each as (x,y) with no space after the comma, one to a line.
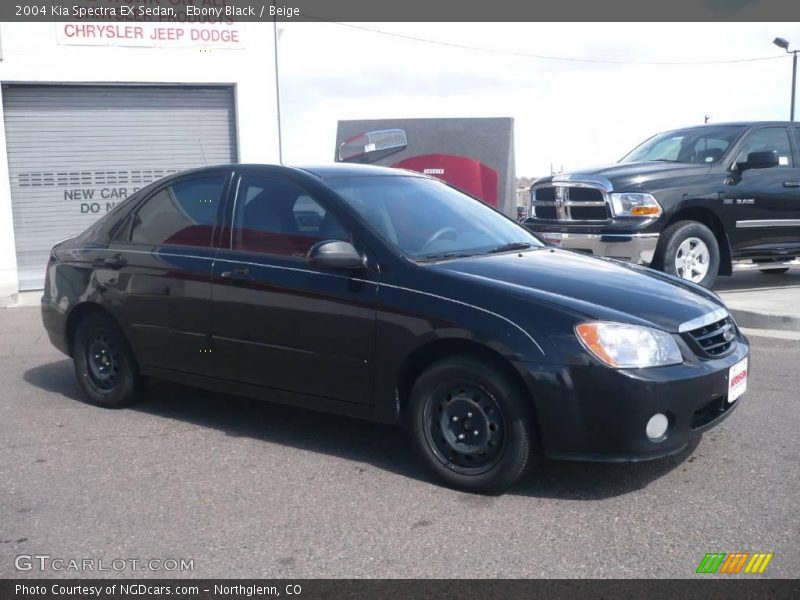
(635,204)
(623,346)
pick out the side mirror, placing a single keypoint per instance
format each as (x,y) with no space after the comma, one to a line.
(334,254)
(759,160)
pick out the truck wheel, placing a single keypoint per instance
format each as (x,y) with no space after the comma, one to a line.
(104,363)
(689,250)
(472,425)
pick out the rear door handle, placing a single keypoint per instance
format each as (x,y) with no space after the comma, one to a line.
(791,184)
(237,274)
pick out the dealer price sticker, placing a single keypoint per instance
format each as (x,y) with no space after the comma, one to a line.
(737,380)
(554,239)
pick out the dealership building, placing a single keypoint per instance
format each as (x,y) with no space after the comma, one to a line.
(94,111)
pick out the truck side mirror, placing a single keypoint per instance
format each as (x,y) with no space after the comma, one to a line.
(759,160)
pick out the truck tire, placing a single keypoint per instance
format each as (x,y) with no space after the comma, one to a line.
(689,250)
(472,425)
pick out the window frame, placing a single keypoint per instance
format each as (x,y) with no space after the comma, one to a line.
(754,130)
(234,196)
(122,234)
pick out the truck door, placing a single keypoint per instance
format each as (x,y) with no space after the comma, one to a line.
(762,206)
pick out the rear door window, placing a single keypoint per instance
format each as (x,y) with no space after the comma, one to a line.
(182,214)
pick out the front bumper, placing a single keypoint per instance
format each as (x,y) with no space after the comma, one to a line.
(637,248)
(591,412)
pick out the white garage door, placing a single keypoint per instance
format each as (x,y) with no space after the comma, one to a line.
(75,151)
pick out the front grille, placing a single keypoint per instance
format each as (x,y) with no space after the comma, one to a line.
(713,340)
(569,203)
(588,213)
(545,212)
(585,194)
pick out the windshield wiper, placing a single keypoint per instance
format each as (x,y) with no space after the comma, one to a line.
(510,246)
(443,255)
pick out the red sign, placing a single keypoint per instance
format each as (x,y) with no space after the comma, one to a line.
(467,174)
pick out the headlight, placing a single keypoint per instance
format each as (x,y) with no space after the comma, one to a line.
(631,204)
(629,346)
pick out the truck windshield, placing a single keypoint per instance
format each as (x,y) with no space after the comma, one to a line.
(428,220)
(705,145)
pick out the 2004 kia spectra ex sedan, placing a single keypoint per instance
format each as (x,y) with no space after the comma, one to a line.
(388,295)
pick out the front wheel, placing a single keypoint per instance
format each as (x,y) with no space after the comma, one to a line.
(104,364)
(689,250)
(472,425)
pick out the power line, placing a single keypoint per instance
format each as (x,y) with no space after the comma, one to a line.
(548,57)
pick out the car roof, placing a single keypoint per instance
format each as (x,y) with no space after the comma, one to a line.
(324,171)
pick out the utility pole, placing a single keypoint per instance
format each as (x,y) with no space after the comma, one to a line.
(276,33)
(782,43)
(794,81)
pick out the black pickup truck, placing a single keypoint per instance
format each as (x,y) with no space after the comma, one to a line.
(690,202)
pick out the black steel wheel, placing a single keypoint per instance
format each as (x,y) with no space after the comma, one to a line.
(472,424)
(103,359)
(465,428)
(105,367)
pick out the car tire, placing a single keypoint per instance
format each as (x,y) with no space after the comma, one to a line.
(689,250)
(464,397)
(104,364)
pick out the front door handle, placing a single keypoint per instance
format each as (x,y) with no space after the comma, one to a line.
(791,184)
(237,274)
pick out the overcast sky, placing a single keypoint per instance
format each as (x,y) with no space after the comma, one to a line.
(566,113)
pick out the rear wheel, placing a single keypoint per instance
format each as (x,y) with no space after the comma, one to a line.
(689,250)
(104,364)
(471,425)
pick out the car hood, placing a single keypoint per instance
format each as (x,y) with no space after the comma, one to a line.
(625,176)
(596,288)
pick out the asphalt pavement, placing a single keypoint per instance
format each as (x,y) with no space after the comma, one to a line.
(763,301)
(250,489)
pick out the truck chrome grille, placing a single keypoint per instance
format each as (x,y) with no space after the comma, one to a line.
(713,340)
(569,203)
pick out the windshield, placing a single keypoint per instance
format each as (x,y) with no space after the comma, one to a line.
(427,219)
(705,145)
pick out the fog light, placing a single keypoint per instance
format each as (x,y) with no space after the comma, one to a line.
(657,427)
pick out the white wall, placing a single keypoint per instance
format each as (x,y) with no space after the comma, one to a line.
(31,53)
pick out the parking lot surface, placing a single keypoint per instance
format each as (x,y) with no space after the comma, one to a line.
(763,301)
(247,488)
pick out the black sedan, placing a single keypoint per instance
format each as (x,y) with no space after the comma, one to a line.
(390,296)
